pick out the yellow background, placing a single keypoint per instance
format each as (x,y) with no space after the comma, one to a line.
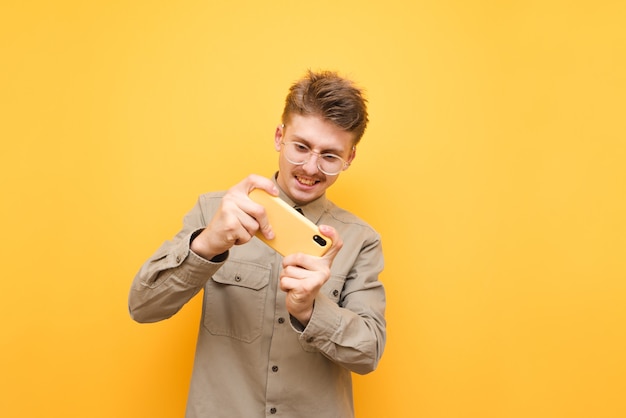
(493,167)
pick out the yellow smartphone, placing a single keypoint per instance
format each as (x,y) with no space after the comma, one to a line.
(293,233)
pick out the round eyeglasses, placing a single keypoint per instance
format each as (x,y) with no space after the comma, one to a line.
(298,153)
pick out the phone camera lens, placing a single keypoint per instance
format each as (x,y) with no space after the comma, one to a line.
(321,241)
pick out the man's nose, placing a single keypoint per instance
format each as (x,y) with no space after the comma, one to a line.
(311,166)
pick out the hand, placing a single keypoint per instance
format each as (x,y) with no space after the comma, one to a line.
(237,219)
(303,276)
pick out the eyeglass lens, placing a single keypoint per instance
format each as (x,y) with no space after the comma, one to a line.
(298,153)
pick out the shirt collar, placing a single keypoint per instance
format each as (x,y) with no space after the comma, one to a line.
(312,210)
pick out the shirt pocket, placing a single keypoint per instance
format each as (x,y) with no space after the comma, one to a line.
(234,300)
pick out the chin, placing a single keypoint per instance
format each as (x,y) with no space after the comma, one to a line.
(301,198)
(303,195)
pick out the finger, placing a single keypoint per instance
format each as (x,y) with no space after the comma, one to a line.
(297,264)
(233,220)
(337,242)
(288,283)
(251,215)
(295,271)
(249,227)
(254,181)
(257,219)
(299,288)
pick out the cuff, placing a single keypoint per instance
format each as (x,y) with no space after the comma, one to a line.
(324,323)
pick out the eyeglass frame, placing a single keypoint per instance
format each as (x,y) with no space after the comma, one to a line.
(318,154)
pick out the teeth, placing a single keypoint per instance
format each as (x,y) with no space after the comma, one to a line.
(308,182)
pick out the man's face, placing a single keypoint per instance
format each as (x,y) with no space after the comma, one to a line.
(305,183)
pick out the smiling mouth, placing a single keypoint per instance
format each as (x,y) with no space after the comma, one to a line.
(306,181)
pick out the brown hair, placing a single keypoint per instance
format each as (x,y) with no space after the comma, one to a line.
(331,97)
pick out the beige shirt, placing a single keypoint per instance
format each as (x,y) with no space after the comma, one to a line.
(252,360)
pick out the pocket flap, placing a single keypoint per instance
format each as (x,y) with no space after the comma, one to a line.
(238,273)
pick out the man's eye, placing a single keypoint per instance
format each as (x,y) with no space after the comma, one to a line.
(330,157)
(300,147)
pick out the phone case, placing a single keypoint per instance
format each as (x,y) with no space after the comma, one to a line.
(293,233)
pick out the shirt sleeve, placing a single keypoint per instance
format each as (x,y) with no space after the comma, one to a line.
(352,333)
(172,276)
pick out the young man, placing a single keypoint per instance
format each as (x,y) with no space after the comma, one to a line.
(279,336)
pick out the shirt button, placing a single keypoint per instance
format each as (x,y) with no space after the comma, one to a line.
(178,259)
(310,339)
(272,411)
(335,292)
(274,369)
(237,278)
(281,320)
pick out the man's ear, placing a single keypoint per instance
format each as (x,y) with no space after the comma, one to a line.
(352,155)
(278,136)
